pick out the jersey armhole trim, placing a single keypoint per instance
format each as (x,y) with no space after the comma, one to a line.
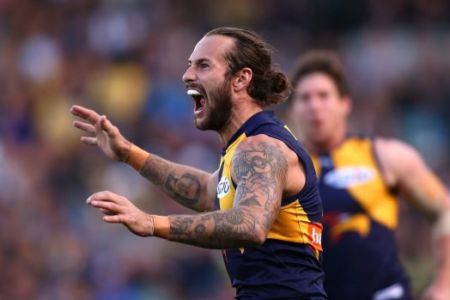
(393,190)
(289,199)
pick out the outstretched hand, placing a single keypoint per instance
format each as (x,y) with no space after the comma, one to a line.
(101,132)
(118,209)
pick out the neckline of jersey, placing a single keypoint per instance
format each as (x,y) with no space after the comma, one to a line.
(256,120)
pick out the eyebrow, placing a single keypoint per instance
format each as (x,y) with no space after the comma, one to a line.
(199,61)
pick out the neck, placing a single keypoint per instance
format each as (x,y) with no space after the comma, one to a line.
(242,111)
(329,144)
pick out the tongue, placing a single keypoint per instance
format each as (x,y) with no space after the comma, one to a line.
(200,104)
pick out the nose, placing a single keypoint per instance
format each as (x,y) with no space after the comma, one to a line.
(189,75)
(314,103)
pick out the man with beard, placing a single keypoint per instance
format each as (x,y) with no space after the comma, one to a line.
(262,205)
(359,179)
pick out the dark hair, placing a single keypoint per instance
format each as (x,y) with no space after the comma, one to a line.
(321,61)
(268,86)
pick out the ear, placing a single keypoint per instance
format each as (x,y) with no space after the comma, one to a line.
(241,80)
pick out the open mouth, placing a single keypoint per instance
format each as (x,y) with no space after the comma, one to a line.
(199,100)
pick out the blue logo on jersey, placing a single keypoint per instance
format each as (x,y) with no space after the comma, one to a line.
(223,187)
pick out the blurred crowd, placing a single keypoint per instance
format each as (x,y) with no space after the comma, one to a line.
(125,59)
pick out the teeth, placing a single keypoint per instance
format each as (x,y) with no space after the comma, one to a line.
(192,92)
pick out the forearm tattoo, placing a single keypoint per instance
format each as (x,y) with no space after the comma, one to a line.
(260,172)
(182,183)
(185,188)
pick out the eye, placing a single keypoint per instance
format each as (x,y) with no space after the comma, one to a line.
(303,97)
(204,65)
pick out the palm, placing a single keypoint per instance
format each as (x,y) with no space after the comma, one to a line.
(107,145)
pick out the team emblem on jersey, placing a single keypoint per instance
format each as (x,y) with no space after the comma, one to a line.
(223,188)
(349,176)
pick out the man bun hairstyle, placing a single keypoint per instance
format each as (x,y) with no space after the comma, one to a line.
(325,62)
(268,85)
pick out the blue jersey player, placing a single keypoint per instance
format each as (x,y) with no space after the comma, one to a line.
(262,205)
(359,178)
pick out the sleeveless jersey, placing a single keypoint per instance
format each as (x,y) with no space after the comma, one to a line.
(287,265)
(360,214)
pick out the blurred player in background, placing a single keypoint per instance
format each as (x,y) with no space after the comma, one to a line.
(262,205)
(359,178)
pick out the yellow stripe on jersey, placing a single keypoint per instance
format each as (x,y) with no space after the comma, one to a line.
(226,194)
(373,195)
(359,223)
(293,225)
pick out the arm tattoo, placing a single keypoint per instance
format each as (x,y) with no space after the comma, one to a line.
(186,189)
(182,183)
(231,229)
(260,172)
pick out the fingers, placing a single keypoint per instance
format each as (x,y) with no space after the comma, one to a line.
(111,207)
(108,127)
(106,212)
(84,113)
(96,124)
(106,202)
(114,219)
(106,196)
(103,124)
(84,126)
(88,140)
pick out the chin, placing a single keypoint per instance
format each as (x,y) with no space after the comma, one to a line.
(201,124)
(211,121)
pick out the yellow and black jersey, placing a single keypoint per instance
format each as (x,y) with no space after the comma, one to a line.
(287,265)
(360,214)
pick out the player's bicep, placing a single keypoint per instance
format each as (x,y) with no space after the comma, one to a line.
(259,168)
(417,183)
(425,190)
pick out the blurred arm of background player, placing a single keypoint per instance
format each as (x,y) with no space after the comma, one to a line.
(260,167)
(190,187)
(404,168)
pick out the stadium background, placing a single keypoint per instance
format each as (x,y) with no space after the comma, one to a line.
(125,58)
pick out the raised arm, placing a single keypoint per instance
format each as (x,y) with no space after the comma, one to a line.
(190,187)
(405,169)
(259,169)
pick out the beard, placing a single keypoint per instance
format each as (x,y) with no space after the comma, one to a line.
(218,110)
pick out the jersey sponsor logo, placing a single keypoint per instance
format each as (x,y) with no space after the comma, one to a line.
(223,188)
(315,233)
(316,236)
(349,176)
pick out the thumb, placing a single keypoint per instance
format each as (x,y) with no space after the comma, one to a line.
(108,127)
